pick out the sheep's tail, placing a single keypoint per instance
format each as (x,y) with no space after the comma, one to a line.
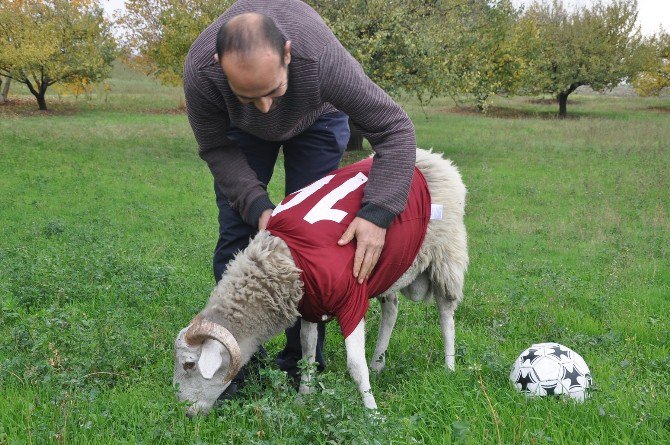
(446,239)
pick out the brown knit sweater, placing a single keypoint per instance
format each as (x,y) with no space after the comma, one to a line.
(323,78)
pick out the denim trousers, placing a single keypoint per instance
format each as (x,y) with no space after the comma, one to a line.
(307,157)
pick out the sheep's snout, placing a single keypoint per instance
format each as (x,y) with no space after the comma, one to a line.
(200,373)
(198,409)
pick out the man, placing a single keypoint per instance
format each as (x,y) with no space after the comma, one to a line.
(271,74)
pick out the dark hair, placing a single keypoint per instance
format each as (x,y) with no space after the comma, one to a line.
(249,33)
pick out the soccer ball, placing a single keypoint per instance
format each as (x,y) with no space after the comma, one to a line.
(551,369)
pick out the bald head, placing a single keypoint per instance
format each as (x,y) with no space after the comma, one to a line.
(248,33)
(254,56)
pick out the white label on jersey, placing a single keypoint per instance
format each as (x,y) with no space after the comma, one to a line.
(324,210)
(436,211)
(302,194)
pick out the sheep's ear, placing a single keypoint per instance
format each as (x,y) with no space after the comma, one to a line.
(210,358)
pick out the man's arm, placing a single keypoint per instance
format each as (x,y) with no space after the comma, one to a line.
(383,122)
(391,133)
(225,159)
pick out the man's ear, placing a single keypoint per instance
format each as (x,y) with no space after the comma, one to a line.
(287,52)
(210,358)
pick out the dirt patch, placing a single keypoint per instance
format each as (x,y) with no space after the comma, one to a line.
(660,109)
(543,101)
(503,113)
(551,101)
(26,107)
(171,111)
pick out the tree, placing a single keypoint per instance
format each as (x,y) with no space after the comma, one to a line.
(428,48)
(43,42)
(384,38)
(402,46)
(5,89)
(486,59)
(595,47)
(157,34)
(655,76)
(395,42)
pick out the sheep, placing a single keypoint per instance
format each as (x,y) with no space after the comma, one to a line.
(260,293)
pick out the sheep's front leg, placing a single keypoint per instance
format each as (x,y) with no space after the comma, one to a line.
(308,337)
(358,367)
(389,304)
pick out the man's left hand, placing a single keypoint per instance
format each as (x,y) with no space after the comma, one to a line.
(264,219)
(370,240)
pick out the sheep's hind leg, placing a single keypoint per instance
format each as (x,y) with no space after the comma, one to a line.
(358,367)
(308,337)
(389,316)
(446,310)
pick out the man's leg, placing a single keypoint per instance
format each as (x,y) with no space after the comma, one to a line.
(234,233)
(307,157)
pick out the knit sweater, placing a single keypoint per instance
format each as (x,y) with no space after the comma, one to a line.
(323,78)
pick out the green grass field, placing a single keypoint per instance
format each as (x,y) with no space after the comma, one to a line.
(108,221)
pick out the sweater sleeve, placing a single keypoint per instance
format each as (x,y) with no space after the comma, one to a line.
(383,122)
(228,164)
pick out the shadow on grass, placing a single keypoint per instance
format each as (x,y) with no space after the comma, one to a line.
(660,109)
(513,113)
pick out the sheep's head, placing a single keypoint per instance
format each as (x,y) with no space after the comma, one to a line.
(206,358)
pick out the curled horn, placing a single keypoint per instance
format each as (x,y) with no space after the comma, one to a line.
(202,329)
(197,319)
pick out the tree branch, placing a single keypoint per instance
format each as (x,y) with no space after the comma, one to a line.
(30,86)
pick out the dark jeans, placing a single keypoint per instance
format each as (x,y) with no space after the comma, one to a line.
(307,157)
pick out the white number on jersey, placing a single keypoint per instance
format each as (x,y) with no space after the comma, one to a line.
(323,210)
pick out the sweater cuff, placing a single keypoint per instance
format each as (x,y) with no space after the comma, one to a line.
(378,216)
(261,204)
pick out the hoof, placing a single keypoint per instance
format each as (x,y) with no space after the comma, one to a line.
(379,364)
(376,417)
(306,389)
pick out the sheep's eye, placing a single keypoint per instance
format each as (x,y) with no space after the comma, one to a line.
(188,365)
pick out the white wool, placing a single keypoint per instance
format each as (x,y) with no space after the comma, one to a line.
(258,296)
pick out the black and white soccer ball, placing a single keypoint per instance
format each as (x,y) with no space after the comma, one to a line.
(551,369)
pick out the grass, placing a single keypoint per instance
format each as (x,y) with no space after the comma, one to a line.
(108,223)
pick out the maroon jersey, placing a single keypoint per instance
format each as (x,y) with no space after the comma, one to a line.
(313,219)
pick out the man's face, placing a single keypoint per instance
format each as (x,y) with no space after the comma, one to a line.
(259,78)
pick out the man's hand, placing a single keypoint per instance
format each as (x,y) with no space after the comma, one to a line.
(263,220)
(370,240)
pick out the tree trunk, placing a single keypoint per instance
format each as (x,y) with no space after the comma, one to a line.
(562,105)
(563,99)
(355,138)
(5,89)
(41,101)
(481,102)
(38,93)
